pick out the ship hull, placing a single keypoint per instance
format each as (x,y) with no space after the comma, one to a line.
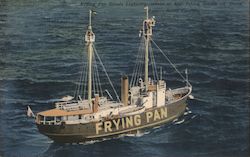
(74,133)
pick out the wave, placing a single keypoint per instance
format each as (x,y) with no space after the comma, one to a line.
(137,134)
(179,122)
(187,112)
(92,141)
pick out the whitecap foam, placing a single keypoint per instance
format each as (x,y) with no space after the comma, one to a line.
(137,134)
(180,122)
(49,141)
(175,120)
(93,141)
(193,116)
(156,127)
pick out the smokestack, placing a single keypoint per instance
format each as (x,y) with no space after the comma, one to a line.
(96,102)
(124,90)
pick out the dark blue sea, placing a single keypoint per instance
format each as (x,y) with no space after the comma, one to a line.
(41,46)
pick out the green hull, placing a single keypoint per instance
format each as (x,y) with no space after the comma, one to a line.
(73,133)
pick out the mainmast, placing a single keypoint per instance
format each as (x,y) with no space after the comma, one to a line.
(147,33)
(90,39)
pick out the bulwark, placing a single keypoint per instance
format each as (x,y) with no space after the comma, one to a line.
(131,121)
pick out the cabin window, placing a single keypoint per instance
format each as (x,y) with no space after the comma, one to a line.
(80,117)
(58,119)
(40,118)
(49,119)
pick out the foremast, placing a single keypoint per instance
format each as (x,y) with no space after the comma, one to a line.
(90,39)
(148,24)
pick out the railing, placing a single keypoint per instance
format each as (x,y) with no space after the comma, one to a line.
(51,122)
(60,105)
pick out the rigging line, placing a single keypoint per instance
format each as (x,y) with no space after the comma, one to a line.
(134,72)
(77,85)
(80,90)
(99,81)
(93,75)
(76,89)
(85,82)
(138,71)
(137,63)
(83,70)
(171,63)
(136,66)
(141,61)
(140,57)
(80,80)
(81,85)
(96,82)
(106,74)
(152,62)
(153,56)
(95,79)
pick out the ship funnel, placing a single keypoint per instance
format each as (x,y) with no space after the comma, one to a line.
(124,90)
(96,103)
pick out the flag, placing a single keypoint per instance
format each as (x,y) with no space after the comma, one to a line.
(140,33)
(93,12)
(29,112)
(191,97)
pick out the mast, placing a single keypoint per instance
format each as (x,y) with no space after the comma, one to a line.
(148,23)
(90,39)
(146,51)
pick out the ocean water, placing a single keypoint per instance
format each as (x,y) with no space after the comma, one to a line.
(41,46)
